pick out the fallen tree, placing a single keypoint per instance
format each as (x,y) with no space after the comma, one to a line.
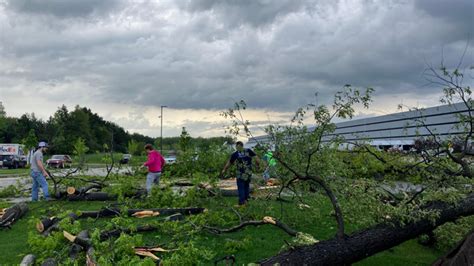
(46,225)
(81,242)
(265,220)
(142,228)
(462,254)
(109,212)
(368,242)
(86,194)
(12,214)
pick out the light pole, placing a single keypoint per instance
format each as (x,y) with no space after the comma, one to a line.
(161,129)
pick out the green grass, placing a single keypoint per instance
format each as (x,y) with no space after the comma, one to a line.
(20,171)
(248,245)
(408,253)
(14,241)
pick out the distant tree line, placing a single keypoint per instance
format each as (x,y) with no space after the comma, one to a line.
(65,127)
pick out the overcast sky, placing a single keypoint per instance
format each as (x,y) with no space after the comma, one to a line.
(123,59)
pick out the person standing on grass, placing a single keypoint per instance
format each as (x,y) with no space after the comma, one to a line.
(155,164)
(270,163)
(38,172)
(243,157)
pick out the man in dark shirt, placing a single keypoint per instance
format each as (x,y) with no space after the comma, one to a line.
(243,159)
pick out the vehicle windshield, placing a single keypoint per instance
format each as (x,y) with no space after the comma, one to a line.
(57,157)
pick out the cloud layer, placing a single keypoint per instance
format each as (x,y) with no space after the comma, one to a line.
(206,54)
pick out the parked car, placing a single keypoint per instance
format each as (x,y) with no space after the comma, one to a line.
(59,161)
(125,158)
(170,159)
(12,156)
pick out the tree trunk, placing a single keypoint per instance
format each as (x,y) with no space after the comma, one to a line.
(366,243)
(76,248)
(49,262)
(28,260)
(46,223)
(110,212)
(12,214)
(462,254)
(91,196)
(82,239)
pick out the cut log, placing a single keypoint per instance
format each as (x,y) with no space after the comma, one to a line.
(71,190)
(82,241)
(143,214)
(373,240)
(45,223)
(28,260)
(12,214)
(110,212)
(76,248)
(80,194)
(92,196)
(54,227)
(175,217)
(49,262)
(462,254)
(60,194)
(171,211)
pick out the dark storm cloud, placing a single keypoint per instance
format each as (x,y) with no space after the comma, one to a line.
(63,9)
(460,12)
(208,54)
(237,12)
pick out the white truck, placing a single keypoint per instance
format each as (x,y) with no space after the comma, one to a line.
(12,155)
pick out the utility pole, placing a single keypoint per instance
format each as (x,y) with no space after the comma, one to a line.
(161,129)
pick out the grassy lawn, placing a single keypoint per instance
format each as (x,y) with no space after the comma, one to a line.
(20,171)
(248,245)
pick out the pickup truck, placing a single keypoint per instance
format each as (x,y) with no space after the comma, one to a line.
(12,156)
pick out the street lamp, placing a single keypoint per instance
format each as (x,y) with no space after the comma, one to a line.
(161,129)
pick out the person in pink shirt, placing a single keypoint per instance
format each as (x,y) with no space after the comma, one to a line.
(155,164)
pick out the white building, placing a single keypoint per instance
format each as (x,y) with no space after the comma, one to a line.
(398,130)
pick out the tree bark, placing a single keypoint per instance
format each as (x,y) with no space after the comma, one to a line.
(91,196)
(46,223)
(12,214)
(110,212)
(366,243)
(28,260)
(462,254)
(81,239)
(49,262)
(76,248)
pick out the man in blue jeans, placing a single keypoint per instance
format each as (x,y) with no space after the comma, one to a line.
(243,157)
(38,172)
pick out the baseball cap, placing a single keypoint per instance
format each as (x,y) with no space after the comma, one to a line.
(42,144)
